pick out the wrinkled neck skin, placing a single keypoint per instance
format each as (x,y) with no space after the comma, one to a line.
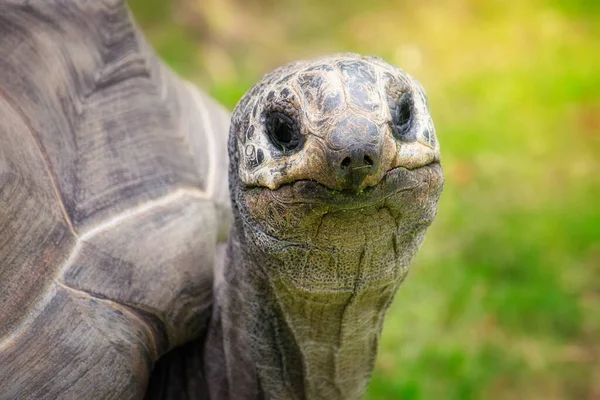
(299,315)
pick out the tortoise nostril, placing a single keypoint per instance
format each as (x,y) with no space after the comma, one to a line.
(346,162)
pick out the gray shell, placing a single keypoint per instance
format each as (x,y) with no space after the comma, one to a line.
(113,198)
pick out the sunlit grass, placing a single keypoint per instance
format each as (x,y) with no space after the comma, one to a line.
(503,300)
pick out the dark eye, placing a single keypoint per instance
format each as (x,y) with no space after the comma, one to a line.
(402,118)
(283,131)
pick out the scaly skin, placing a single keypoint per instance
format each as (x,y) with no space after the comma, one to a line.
(324,233)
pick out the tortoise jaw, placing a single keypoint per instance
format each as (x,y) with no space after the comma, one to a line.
(307,214)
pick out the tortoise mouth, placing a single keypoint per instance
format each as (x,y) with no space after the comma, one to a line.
(396,180)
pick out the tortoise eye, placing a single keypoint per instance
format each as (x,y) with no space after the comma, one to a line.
(283,131)
(402,118)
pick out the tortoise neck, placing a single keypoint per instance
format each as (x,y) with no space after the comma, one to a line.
(271,339)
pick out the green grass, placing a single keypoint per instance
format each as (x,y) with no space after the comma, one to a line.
(503,300)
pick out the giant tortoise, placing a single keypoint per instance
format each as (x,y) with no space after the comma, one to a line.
(152,246)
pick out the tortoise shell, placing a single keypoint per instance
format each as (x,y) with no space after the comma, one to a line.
(113,200)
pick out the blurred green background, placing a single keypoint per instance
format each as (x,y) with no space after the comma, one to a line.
(503,301)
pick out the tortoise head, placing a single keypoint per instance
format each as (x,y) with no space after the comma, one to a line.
(343,121)
(327,149)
